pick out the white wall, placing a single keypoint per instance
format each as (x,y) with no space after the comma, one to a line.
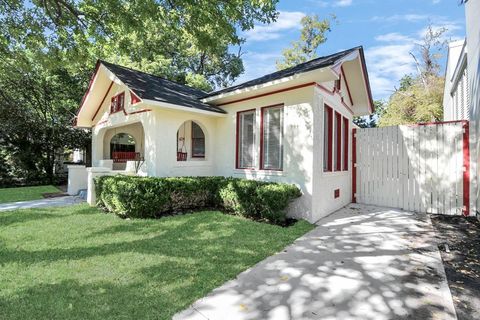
(449,109)
(472,9)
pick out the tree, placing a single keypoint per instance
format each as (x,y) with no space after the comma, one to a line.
(419,97)
(313,34)
(48,49)
(371,121)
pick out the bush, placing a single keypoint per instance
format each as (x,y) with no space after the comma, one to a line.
(140,197)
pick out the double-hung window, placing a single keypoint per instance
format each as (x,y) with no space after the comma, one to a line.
(345,143)
(246,139)
(338,142)
(198,141)
(271,135)
(327,138)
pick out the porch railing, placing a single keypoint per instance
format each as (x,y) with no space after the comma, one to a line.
(124,156)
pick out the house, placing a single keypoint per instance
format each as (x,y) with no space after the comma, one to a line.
(292,126)
(456,98)
(462,85)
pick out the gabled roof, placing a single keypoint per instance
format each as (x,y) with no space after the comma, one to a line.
(151,87)
(317,63)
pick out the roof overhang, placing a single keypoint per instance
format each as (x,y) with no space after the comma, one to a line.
(176,107)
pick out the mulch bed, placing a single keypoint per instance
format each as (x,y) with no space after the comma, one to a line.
(459,244)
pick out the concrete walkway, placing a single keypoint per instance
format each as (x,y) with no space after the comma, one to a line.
(50,202)
(361,262)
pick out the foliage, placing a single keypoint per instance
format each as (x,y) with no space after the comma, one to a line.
(419,97)
(25,193)
(371,121)
(313,34)
(151,197)
(76,263)
(48,49)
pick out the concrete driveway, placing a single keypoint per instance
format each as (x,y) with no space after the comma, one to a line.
(42,203)
(362,262)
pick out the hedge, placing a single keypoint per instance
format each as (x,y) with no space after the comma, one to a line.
(151,197)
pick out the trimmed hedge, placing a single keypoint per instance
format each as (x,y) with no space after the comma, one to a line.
(150,197)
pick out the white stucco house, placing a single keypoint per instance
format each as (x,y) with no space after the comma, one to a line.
(289,126)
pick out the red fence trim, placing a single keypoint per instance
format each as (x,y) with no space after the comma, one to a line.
(466,169)
(354,165)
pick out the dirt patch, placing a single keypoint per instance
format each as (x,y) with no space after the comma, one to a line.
(459,244)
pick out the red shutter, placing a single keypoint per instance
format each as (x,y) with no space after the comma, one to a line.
(345,144)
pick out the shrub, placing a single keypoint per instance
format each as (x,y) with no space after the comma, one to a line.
(140,197)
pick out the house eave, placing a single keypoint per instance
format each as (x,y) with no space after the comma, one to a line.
(171,106)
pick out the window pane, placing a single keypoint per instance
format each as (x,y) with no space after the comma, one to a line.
(246,139)
(327,139)
(338,142)
(198,141)
(272,138)
(345,143)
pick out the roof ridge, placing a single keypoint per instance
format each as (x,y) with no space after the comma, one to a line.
(152,75)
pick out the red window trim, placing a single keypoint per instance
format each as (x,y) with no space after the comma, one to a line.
(237,159)
(345,143)
(122,107)
(262,110)
(330,139)
(193,138)
(338,149)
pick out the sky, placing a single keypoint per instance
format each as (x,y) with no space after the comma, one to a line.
(388,30)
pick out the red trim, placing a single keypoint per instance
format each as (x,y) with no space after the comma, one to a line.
(103,100)
(354,165)
(346,85)
(330,138)
(338,144)
(92,78)
(346,105)
(466,170)
(436,123)
(134,98)
(262,109)
(367,81)
(139,111)
(268,93)
(332,93)
(237,162)
(345,143)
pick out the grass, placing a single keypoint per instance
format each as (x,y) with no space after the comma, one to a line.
(25,193)
(79,263)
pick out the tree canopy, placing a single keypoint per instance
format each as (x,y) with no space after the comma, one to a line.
(313,34)
(48,49)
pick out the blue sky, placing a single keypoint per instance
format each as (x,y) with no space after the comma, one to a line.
(388,31)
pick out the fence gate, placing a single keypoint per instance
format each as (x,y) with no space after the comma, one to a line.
(422,168)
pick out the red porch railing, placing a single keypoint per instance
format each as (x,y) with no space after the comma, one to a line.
(124,156)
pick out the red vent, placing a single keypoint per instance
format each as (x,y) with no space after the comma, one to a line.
(336,193)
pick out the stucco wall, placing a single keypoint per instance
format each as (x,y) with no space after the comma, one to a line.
(472,9)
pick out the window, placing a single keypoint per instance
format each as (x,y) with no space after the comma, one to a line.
(271,135)
(198,141)
(345,143)
(117,103)
(327,138)
(246,139)
(338,142)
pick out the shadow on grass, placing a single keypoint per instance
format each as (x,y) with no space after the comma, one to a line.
(103,267)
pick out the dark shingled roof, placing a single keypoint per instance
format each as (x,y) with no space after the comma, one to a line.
(300,68)
(151,87)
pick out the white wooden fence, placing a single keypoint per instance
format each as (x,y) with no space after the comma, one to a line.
(421,168)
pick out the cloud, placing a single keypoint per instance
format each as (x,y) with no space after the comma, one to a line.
(286,20)
(393,37)
(403,17)
(342,3)
(258,64)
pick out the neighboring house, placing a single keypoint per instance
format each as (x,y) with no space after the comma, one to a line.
(290,126)
(456,97)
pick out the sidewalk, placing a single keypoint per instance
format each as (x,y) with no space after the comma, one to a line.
(50,202)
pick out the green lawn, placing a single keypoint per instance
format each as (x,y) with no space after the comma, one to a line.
(25,193)
(79,263)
